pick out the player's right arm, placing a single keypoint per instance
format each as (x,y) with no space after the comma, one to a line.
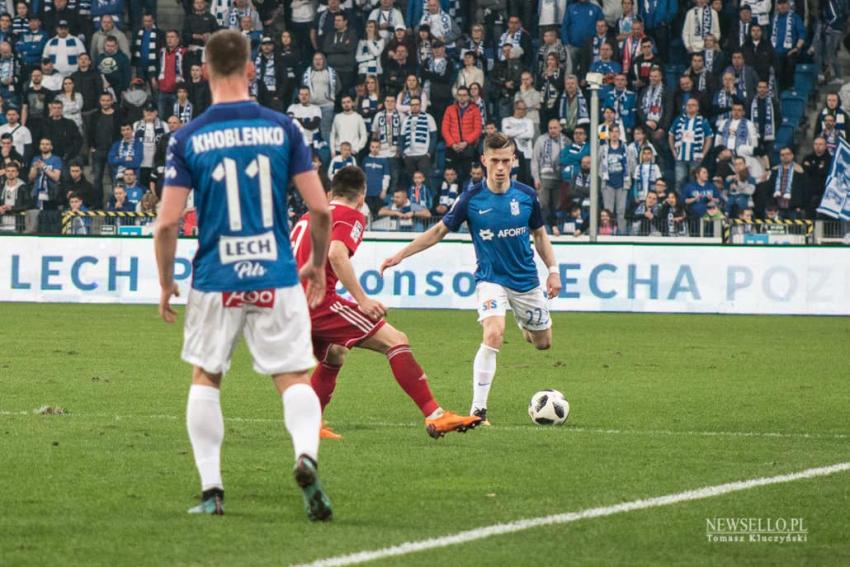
(313,194)
(422,242)
(338,256)
(165,243)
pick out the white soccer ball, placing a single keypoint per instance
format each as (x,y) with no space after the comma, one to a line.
(548,407)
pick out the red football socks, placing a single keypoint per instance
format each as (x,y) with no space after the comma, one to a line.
(323,382)
(411,378)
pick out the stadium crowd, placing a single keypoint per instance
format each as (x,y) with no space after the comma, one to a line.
(699,106)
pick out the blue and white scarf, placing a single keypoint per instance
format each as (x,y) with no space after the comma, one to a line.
(389,132)
(581,112)
(723,104)
(788,35)
(509,38)
(704,24)
(788,183)
(547,163)
(266,70)
(178,64)
(183,112)
(769,133)
(653,103)
(742,133)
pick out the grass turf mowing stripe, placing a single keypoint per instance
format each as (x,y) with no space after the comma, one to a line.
(569,517)
(569,429)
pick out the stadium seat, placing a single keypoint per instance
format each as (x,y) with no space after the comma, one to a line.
(805,77)
(792,106)
(785,135)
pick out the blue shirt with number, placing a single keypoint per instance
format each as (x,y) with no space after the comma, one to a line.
(499,224)
(239,159)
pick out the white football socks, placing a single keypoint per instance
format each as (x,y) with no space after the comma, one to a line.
(483,371)
(302,414)
(206,432)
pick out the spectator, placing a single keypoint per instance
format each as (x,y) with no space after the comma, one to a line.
(324,23)
(591,52)
(519,40)
(77,184)
(699,21)
(79,224)
(687,91)
(50,78)
(324,86)
(764,114)
(787,36)
(545,169)
(370,49)
(739,136)
(405,216)
(607,224)
(505,79)
(573,108)
(412,89)
(713,212)
(704,81)
(531,96)
(607,66)
(114,65)
(197,28)
(689,140)
(88,82)
(758,53)
(348,126)
(63,12)
(741,187)
(713,58)
(340,47)
(147,43)
(653,107)
(645,175)
(673,217)
(183,109)
(15,196)
(386,128)
(833,108)
(439,76)
(477,44)
(786,185)
(368,101)
(521,129)
(104,11)
(760,10)
(126,152)
(63,50)
(449,191)
(418,139)
(699,193)
(572,155)
(8,71)
(578,25)
(831,133)
(829,30)
(442,25)
(72,103)
(387,18)
(118,202)
(658,16)
(20,23)
(343,158)
(149,130)
(461,128)
(309,116)
(107,29)
(63,133)
(199,90)
(377,171)
(643,64)
(624,103)
(45,171)
(616,172)
(9,153)
(30,46)
(397,69)
(643,215)
(241,9)
(21,135)
(631,45)
(745,76)
(610,122)
(569,223)
(419,193)
(740,32)
(816,167)
(172,71)
(134,191)
(552,46)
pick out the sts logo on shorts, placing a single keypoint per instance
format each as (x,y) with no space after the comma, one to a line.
(489,305)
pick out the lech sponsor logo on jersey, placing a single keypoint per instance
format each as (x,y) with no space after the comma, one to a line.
(247,248)
(514,207)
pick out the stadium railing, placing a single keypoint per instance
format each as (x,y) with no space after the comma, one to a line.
(16,222)
(765,231)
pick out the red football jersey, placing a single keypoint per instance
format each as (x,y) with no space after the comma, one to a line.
(347,226)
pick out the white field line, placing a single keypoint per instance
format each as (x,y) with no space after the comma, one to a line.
(570,517)
(496,428)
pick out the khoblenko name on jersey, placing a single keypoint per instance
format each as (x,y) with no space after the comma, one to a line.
(235,137)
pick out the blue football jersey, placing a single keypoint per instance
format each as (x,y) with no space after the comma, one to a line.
(239,159)
(499,224)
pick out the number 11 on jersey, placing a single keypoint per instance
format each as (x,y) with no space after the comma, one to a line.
(226,171)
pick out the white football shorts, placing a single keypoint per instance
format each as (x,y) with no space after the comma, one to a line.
(531,308)
(275,322)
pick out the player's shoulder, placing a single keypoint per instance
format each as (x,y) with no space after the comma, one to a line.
(345,214)
(524,190)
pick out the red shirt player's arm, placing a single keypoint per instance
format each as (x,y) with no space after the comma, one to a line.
(345,238)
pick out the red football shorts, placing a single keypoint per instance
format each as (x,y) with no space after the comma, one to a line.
(340,322)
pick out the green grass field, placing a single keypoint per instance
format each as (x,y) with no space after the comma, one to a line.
(660,404)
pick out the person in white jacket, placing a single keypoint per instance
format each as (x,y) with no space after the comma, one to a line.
(699,21)
(348,127)
(739,135)
(521,129)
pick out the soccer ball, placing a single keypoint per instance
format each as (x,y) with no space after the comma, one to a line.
(548,407)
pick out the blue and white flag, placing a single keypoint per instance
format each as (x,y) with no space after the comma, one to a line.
(836,195)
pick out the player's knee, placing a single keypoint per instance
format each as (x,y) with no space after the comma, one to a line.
(396,337)
(336,355)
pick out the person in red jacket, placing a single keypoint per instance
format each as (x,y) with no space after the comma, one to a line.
(172,70)
(461,129)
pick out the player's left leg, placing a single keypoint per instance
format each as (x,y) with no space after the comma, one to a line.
(278,337)
(394,344)
(205,424)
(492,306)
